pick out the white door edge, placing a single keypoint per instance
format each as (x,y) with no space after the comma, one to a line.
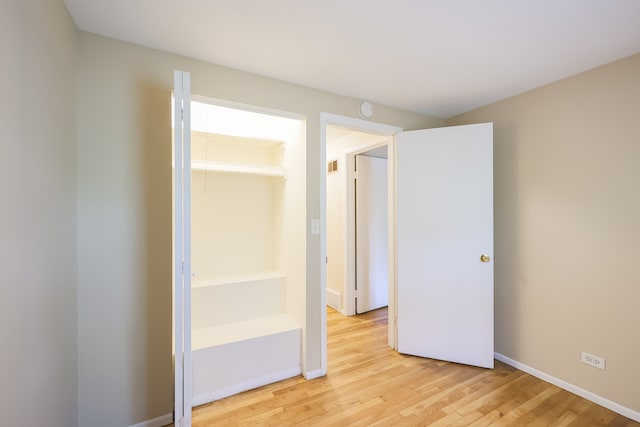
(182,249)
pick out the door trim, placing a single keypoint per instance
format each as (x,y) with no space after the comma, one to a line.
(349,158)
(371,127)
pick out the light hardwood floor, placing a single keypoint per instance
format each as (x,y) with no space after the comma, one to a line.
(368,384)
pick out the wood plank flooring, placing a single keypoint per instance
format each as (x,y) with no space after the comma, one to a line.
(368,384)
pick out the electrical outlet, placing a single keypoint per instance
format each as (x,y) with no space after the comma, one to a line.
(590,359)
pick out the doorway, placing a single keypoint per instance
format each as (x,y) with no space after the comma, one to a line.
(354,137)
(357,220)
(371,230)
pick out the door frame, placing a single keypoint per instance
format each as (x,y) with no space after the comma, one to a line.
(349,203)
(375,128)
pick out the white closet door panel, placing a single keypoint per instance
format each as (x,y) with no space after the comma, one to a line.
(372,272)
(182,250)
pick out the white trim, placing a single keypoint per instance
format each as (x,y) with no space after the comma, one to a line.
(182,249)
(615,407)
(358,124)
(334,300)
(312,375)
(323,250)
(186,250)
(160,421)
(354,124)
(178,304)
(204,398)
(392,321)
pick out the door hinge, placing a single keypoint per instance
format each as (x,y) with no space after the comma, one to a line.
(355,293)
(355,174)
(182,268)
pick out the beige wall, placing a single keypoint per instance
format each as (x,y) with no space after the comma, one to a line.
(124,215)
(567,209)
(38,215)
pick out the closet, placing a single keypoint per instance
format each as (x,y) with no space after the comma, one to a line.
(247,249)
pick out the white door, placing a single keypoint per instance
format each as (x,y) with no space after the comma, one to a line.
(182,249)
(445,243)
(372,273)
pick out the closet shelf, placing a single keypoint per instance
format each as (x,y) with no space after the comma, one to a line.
(240,168)
(240,278)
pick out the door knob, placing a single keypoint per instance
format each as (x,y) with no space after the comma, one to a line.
(485,258)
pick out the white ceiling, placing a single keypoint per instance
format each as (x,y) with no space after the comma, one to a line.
(437,57)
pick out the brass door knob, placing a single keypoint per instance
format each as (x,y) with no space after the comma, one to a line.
(485,258)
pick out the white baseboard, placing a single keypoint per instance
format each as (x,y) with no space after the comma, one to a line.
(203,398)
(156,422)
(615,407)
(334,299)
(312,375)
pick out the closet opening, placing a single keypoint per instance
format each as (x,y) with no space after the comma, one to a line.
(247,175)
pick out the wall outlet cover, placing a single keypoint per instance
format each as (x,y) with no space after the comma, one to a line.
(595,361)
